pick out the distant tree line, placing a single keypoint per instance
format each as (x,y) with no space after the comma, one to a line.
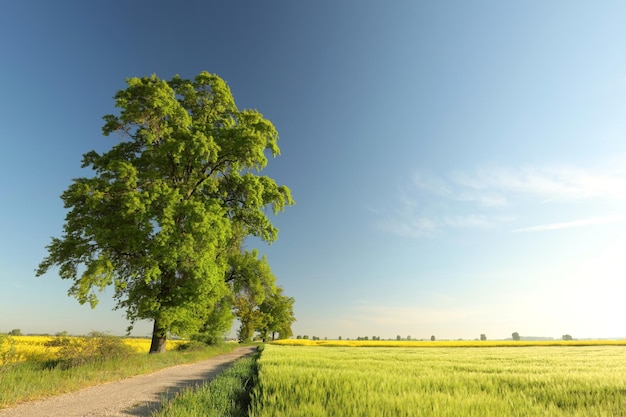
(483,337)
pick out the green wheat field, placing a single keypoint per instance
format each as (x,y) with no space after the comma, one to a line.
(510,381)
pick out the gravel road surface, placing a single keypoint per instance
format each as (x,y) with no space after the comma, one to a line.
(136,396)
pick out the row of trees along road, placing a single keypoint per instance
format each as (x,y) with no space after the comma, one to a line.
(164,216)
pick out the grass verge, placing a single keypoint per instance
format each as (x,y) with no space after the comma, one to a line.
(31,380)
(228,395)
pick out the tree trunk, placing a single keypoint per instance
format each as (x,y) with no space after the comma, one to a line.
(159,337)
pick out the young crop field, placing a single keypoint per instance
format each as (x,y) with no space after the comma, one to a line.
(440,381)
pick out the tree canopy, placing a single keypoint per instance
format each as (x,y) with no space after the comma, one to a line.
(258,303)
(166,206)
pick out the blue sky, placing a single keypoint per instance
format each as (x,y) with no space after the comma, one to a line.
(458,167)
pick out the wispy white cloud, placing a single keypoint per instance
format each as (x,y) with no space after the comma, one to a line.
(485,200)
(432,184)
(552,183)
(471,221)
(489,197)
(428,226)
(576,223)
(418,227)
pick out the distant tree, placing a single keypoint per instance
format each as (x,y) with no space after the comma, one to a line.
(277,315)
(63,333)
(298,337)
(257,302)
(567,337)
(219,321)
(516,336)
(408,338)
(483,337)
(339,337)
(305,337)
(432,338)
(398,337)
(251,280)
(15,332)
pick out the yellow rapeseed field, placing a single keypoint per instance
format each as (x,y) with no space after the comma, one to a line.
(41,348)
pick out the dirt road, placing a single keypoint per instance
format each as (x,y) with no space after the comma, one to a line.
(136,396)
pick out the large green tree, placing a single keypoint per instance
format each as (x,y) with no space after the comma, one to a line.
(166,206)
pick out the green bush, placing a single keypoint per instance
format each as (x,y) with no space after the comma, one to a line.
(191,346)
(208,338)
(58,341)
(95,347)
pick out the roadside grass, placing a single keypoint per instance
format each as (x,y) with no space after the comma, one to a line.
(228,395)
(559,381)
(83,362)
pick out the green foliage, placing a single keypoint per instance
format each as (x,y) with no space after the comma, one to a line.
(483,337)
(15,332)
(97,347)
(191,346)
(58,341)
(277,315)
(515,336)
(218,323)
(166,205)
(251,280)
(258,303)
